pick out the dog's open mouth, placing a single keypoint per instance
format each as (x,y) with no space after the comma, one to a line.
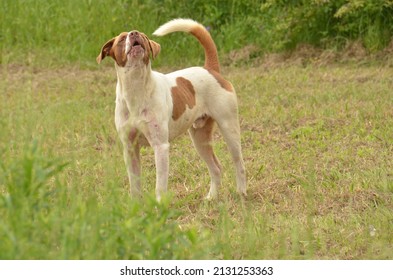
(135,47)
(136,43)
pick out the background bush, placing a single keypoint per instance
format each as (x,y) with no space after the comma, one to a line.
(53,32)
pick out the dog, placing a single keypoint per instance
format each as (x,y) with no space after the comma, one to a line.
(154,108)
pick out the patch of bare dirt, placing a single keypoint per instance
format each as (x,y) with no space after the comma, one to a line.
(240,56)
(305,54)
(354,50)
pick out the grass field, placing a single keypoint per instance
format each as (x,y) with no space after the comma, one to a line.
(318,149)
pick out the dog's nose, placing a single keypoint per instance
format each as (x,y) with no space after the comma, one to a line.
(134,34)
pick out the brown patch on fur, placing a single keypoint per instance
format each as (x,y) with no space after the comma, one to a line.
(223,83)
(211,57)
(115,48)
(118,52)
(151,48)
(183,94)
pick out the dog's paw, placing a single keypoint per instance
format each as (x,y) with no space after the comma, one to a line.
(242,193)
(211,196)
(241,190)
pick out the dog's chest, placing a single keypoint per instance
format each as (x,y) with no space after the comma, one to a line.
(174,104)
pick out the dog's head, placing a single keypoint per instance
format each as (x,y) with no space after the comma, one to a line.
(130,48)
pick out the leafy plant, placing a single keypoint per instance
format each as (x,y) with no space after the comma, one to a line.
(43,219)
(29,195)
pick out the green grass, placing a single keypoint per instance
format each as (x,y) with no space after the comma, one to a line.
(318,149)
(316,134)
(52,33)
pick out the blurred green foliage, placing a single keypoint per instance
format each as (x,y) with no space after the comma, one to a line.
(53,32)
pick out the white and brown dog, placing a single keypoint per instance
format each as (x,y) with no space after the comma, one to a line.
(153,108)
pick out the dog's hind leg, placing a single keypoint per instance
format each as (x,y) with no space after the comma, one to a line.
(230,130)
(202,138)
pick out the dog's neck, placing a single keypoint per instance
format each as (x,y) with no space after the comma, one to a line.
(135,82)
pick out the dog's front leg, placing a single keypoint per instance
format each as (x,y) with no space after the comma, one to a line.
(132,160)
(131,153)
(158,137)
(161,153)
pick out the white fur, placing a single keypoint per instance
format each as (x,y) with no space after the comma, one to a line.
(176,25)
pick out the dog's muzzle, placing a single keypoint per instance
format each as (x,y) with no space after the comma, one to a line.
(134,43)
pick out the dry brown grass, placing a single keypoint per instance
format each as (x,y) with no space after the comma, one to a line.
(305,54)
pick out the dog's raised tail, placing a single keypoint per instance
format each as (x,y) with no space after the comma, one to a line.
(200,32)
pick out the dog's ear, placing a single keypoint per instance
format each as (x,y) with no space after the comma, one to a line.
(105,50)
(154,48)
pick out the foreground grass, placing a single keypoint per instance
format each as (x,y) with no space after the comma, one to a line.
(318,149)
